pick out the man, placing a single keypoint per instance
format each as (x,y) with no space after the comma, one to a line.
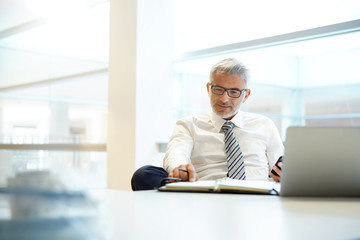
(226,142)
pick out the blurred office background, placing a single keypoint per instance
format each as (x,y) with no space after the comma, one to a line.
(53,84)
(54,56)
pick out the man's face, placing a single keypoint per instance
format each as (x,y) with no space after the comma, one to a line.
(223,105)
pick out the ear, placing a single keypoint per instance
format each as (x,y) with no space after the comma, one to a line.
(247,94)
(208,87)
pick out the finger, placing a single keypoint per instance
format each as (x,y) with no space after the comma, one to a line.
(277,170)
(171,175)
(175,172)
(276,178)
(183,173)
(192,173)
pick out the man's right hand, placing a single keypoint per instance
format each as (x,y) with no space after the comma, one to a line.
(188,175)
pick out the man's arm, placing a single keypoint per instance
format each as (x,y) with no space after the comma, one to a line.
(275,150)
(178,152)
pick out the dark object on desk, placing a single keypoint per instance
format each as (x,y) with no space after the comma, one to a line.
(147,178)
(276,164)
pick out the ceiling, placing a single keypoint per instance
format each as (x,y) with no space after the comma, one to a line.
(14,12)
(54,39)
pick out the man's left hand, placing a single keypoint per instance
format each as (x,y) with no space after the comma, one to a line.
(278,171)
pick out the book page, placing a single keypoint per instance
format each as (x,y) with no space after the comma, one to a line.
(246,185)
(207,185)
(222,185)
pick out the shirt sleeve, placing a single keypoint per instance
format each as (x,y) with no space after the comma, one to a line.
(275,147)
(180,145)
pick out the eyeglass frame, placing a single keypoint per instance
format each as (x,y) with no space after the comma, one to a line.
(227,90)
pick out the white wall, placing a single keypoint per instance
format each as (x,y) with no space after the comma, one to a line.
(154,79)
(122,93)
(140,86)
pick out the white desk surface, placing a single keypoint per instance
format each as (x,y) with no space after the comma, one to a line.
(170,215)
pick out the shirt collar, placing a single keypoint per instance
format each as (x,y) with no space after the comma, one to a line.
(218,122)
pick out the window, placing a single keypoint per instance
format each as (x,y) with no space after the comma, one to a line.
(53,86)
(307,77)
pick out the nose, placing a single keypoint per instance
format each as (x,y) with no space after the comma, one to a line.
(224,97)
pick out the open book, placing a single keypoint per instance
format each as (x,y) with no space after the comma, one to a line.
(226,185)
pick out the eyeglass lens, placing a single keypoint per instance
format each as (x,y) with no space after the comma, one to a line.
(230,92)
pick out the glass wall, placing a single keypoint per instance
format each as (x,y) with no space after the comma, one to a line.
(53,85)
(54,60)
(205,24)
(310,81)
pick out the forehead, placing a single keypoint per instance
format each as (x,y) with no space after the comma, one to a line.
(229,81)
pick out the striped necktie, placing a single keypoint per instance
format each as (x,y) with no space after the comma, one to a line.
(234,155)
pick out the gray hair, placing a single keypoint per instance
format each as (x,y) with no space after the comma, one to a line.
(230,66)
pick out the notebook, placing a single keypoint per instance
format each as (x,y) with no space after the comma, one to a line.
(225,185)
(321,161)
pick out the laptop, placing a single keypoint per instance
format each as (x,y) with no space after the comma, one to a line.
(321,161)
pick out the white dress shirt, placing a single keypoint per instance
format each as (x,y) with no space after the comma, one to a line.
(200,140)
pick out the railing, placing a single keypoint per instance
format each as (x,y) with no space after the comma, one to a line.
(56,147)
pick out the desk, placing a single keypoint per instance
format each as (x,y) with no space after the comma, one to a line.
(170,215)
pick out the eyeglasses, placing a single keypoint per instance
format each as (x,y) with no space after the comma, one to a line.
(231,92)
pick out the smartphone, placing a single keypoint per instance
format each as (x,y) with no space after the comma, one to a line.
(276,164)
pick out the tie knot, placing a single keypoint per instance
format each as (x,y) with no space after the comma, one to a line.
(228,125)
